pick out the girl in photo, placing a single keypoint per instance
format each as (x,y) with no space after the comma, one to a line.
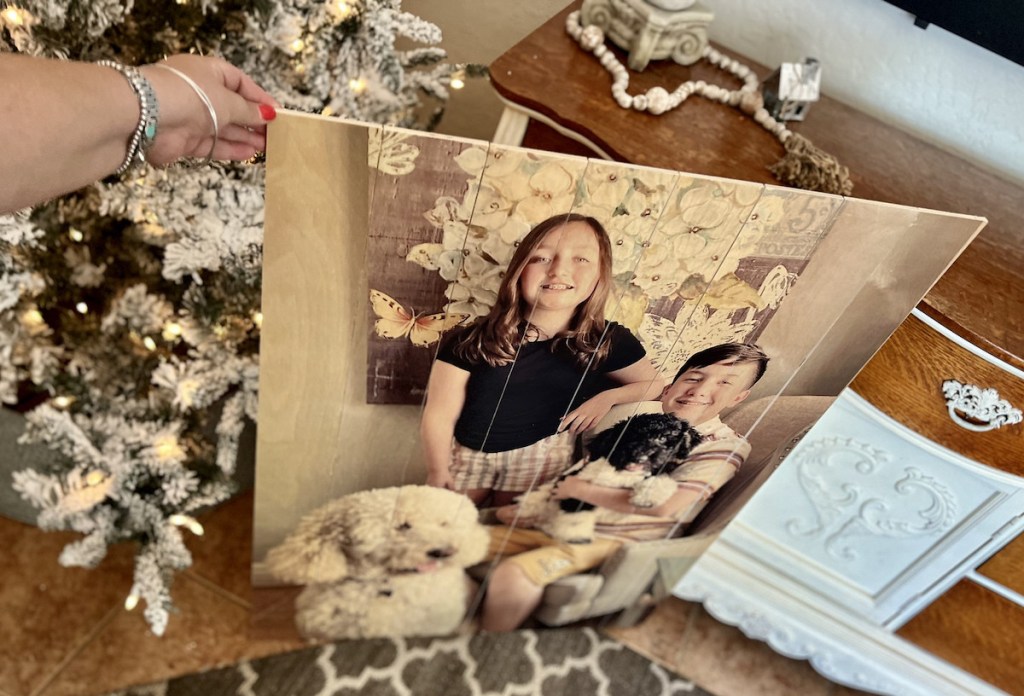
(508,394)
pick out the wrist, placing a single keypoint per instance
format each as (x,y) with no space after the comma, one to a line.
(188,117)
(145,129)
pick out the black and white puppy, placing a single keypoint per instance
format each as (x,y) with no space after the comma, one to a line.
(636,453)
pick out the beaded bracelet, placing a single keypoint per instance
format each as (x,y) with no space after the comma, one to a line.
(145,131)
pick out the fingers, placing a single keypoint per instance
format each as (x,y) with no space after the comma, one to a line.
(256,137)
(237,152)
(250,105)
(246,103)
(242,110)
(576,423)
(240,83)
(249,114)
(238,143)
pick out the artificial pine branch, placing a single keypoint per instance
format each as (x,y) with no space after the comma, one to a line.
(132,309)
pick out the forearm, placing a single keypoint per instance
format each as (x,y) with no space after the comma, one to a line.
(69,126)
(618,500)
(646,390)
(436,438)
(71,123)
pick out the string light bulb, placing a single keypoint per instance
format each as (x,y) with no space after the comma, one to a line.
(63,402)
(297,45)
(257,319)
(152,229)
(15,16)
(76,235)
(327,111)
(457,80)
(357,84)
(32,318)
(95,478)
(131,601)
(167,447)
(172,330)
(341,9)
(82,308)
(149,343)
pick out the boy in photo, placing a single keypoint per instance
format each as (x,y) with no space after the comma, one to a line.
(711,381)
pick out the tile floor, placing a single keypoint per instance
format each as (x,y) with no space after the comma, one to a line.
(64,630)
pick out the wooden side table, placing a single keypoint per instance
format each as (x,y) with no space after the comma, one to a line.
(558,97)
(970,325)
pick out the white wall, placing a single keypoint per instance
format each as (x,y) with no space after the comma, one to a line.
(478,31)
(930,82)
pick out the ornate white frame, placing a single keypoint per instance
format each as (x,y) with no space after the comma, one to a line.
(838,645)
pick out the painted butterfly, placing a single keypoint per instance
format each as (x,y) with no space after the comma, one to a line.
(395,321)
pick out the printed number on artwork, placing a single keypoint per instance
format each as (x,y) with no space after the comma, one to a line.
(395,321)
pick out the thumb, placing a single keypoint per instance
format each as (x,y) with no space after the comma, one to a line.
(251,106)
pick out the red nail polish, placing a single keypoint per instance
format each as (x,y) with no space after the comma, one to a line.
(268,112)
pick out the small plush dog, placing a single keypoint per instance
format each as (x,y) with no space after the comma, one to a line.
(637,453)
(383,562)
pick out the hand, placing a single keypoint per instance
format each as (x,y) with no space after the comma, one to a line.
(440,479)
(589,414)
(506,514)
(509,515)
(571,487)
(185,128)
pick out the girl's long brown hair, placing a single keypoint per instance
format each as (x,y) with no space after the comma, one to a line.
(495,338)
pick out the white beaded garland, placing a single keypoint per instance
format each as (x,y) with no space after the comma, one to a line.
(657,100)
(591,37)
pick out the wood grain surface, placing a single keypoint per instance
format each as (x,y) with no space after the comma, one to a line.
(904,380)
(981,296)
(397,370)
(318,438)
(974,629)
(1007,566)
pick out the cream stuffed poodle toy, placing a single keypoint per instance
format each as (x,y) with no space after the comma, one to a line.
(383,562)
(636,453)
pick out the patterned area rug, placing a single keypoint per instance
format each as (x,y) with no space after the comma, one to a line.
(524,663)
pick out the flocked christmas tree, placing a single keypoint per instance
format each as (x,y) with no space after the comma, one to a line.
(129,312)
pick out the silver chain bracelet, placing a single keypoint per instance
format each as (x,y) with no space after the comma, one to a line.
(149,110)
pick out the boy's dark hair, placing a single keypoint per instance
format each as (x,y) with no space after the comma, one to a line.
(736,353)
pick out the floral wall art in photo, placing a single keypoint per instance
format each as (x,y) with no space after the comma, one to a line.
(697,261)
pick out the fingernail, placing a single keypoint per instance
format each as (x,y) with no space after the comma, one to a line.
(268,112)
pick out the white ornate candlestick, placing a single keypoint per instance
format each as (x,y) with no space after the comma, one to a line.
(652,29)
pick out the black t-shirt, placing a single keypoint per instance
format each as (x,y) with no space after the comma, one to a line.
(532,394)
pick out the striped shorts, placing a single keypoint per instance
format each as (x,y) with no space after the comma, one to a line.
(514,471)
